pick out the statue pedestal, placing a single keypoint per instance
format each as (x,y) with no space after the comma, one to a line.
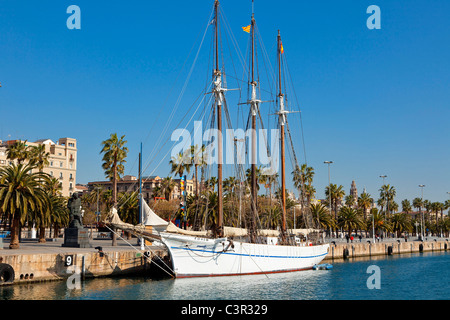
(76,238)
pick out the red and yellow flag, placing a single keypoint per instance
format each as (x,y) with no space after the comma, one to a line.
(282,48)
(247,28)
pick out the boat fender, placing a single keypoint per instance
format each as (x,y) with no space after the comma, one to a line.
(6,274)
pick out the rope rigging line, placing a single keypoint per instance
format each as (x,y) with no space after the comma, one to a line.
(119,236)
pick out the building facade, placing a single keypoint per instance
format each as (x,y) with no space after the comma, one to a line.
(62,160)
(149,184)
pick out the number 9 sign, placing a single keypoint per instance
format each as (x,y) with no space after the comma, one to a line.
(68,261)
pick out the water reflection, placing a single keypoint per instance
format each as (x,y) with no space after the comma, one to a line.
(418,276)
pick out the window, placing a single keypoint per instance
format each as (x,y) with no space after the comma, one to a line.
(60,164)
(60,175)
(51,163)
(51,173)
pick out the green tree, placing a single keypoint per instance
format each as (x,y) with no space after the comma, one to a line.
(39,156)
(20,194)
(406,206)
(321,214)
(400,222)
(364,203)
(349,219)
(335,193)
(18,151)
(114,155)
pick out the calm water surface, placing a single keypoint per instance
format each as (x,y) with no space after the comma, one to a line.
(407,277)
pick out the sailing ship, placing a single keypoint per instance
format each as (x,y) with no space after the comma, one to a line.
(234,251)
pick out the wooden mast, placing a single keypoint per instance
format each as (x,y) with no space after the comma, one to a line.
(282,121)
(254,109)
(219,99)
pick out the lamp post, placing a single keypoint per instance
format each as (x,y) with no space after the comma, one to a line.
(385,198)
(329,185)
(420,211)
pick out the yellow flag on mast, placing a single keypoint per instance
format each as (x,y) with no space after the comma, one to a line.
(247,28)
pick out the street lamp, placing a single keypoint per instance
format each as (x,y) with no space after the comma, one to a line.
(420,211)
(385,198)
(329,184)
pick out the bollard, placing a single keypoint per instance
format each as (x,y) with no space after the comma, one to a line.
(390,251)
(345,253)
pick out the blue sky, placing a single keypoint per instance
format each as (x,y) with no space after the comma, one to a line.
(376,102)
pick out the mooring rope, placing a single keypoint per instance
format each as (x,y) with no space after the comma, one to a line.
(171,275)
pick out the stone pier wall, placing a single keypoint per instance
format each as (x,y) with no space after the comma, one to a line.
(51,266)
(361,249)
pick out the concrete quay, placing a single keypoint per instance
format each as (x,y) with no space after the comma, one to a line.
(36,262)
(357,249)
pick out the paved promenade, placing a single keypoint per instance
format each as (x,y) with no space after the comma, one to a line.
(31,246)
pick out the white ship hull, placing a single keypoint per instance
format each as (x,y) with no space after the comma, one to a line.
(198,257)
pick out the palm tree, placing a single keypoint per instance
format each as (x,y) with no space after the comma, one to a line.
(377,221)
(436,207)
(20,194)
(181,163)
(387,195)
(400,222)
(364,203)
(59,213)
(38,155)
(406,206)
(302,177)
(18,151)
(350,201)
(349,219)
(114,155)
(167,187)
(336,194)
(198,157)
(322,216)
(129,209)
(211,183)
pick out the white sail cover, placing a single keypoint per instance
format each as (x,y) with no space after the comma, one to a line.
(151,218)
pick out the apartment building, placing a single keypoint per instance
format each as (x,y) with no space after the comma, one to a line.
(62,160)
(131,184)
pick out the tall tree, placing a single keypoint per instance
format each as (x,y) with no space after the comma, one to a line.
(349,219)
(114,155)
(364,203)
(18,151)
(21,193)
(39,156)
(406,206)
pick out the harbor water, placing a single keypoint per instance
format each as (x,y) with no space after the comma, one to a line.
(423,276)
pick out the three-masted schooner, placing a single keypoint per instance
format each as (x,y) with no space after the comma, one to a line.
(236,251)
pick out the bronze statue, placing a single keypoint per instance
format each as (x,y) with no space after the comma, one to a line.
(74,206)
